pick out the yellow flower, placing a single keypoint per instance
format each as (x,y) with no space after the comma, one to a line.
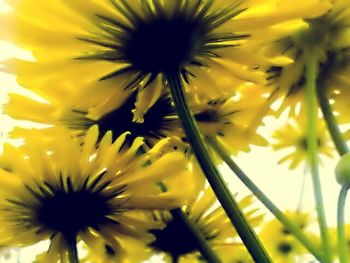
(229,119)
(107,49)
(52,188)
(328,36)
(337,82)
(160,121)
(212,222)
(232,120)
(292,138)
(237,255)
(282,246)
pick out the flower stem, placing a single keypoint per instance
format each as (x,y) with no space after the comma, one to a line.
(285,221)
(301,194)
(311,109)
(331,122)
(72,249)
(175,259)
(211,172)
(341,224)
(202,245)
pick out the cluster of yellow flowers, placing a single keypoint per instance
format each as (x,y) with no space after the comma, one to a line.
(142,99)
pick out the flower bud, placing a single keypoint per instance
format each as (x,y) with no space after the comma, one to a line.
(342,170)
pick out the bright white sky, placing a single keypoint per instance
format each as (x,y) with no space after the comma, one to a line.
(280,184)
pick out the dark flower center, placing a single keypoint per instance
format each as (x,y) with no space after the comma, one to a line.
(164,44)
(284,247)
(155,38)
(71,212)
(175,239)
(61,207)
(285,231)
(207,116)
(157,121)
(109,250)
(304,143)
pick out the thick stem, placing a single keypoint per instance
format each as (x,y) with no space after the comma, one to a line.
(72,249)
(202,245)
(341,225)
(215,179)
(311,109)
(285,221)
(175,258)
(331,122)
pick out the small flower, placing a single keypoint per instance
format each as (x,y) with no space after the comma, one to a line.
(54,189)
(280,243)
(292,138)
(111,48)
(211,221)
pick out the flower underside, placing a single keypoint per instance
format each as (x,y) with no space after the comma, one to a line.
(207,116)
(175,240)
(62,208)
(156,41)
(320,35)
(333,62)
(158,120)
(303,143)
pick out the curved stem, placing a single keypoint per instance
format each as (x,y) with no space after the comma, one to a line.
(285,221)
(331,122)
(341,225)
(202,245)
(311,109)
(211,172)
(72,249)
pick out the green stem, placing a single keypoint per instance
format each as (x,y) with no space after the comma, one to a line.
(285,221)
(211,172)
(202,245)
(72,249)
(341,225)
(311,109)
(331,122)
(301,194)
